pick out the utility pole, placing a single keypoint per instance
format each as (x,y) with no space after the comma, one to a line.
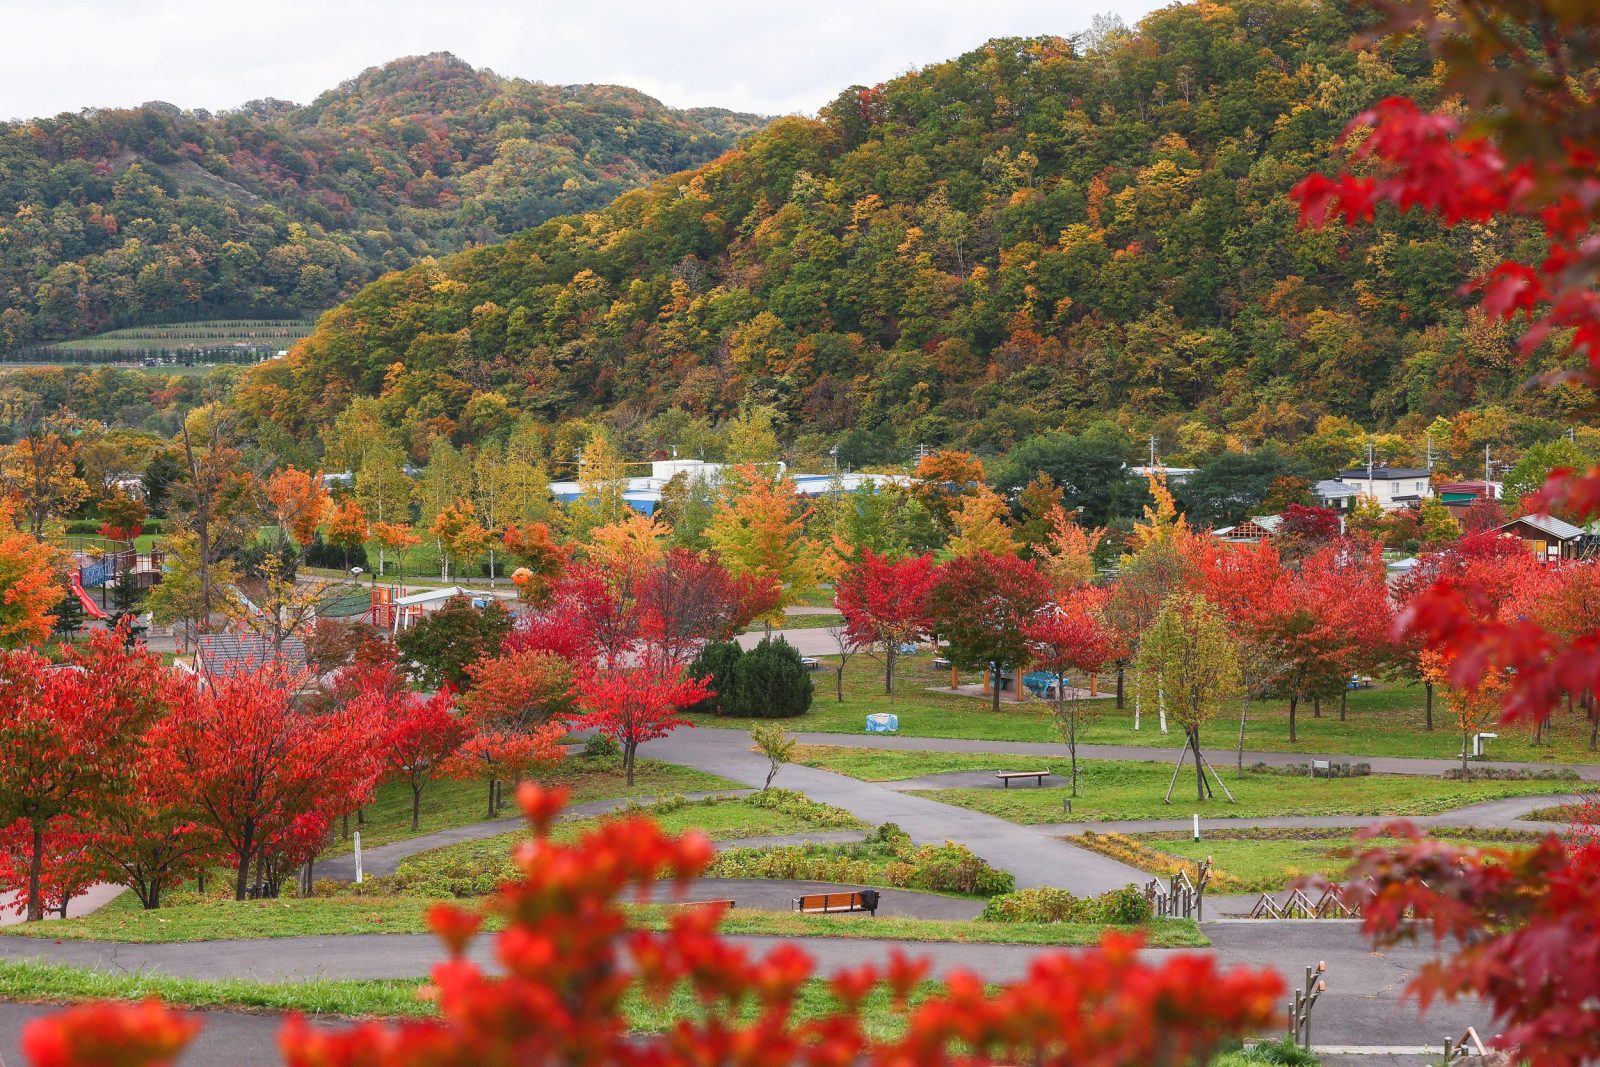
(1488,466)
(1369,468)
(1152,451)
(1430,453)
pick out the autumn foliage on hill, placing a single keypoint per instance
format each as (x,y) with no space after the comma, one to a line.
(569,957)
(152,214)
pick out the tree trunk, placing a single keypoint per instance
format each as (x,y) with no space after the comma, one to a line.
(491,798)
(1294,703)
(1427,688)
(838,681)
(627,759)
(346,827)
(241,878)
(1199,765)
(36,872)
(1316,707)
(994,688)
(1121,703)
(1466,771)
(1137,700)
(416,803)
(1244,716)
(888,669)
(1344,703)
(152,898)
(361,816)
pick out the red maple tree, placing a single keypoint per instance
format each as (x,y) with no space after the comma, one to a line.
(981,605)
(636,703)
(885,602)
(419,734)
(263,773)
(68,733)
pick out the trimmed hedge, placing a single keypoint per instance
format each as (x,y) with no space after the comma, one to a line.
(767,682)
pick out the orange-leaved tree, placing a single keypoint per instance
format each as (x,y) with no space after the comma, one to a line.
(30,585)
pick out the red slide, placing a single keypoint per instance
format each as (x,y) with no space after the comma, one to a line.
(94,610)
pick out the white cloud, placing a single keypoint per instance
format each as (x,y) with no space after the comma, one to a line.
(774,57)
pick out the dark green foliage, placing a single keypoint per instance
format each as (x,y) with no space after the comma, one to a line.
(601,746)
(769,682)
(320,553)
(1238,485)
(70,615)
(441,646)
(1091,469)
(153,214)
(716,662)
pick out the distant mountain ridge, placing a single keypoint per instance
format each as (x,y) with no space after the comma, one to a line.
(1041,233)
(117,216)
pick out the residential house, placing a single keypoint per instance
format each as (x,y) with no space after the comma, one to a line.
(1334,495)
(1392,487)
(1250,530)
(1546,536)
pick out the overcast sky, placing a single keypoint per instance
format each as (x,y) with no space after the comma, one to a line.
(769,56)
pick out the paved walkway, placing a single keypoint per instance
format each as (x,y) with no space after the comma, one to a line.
(1035,860)
(1362,1006)
(1220,757)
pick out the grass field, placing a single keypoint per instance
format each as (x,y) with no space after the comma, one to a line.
(191,919)
(1386,720)
(1268,860)
(449,802)
(1126,789)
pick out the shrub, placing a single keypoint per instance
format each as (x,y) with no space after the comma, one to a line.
(601,746)
(1120,907)
(887,858)
(770,682)
(716,662)
(1306,770)
(1512,774)
(788,802)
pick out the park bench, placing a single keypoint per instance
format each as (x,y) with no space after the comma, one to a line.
(862,900)
(1006,776)
(810,663)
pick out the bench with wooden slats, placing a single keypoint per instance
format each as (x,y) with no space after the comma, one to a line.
(1006,776)
(821,903)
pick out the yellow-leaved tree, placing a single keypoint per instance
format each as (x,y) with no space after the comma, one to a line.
(758,529)
(982,525)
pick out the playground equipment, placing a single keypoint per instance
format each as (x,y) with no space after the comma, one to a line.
(90,608)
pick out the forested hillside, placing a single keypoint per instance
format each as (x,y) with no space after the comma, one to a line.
(1040,233)
(119,217)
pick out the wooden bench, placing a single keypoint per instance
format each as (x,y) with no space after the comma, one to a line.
(863,900)
(1006,776)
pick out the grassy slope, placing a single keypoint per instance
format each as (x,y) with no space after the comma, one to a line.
(447,802)
(1387,720)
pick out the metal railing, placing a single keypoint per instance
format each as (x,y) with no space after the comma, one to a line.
(1304,999)
(1181,897)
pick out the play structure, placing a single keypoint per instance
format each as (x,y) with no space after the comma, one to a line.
(90,608)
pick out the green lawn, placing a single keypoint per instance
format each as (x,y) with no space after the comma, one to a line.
(447,802)
(802,622)
(1125,789)
(1269,860)
(29,981)
(190,919)
(1386,720)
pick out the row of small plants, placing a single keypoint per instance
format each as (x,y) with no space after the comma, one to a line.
(1121,907)
(887,858)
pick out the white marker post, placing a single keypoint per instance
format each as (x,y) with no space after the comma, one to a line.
(358,856)
(1196,828)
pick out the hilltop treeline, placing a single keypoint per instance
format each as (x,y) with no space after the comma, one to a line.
(152,214)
